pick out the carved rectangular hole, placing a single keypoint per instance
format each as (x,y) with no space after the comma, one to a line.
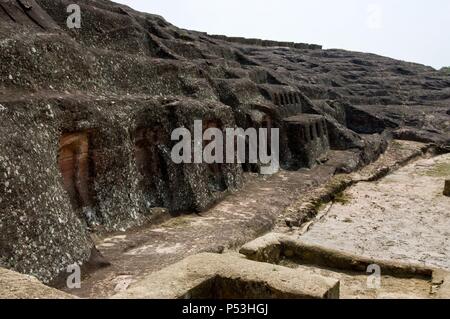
(216,177)
(150,161)
(76,167)
(220,287)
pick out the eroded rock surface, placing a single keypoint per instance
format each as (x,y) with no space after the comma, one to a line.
(403,217)
(231,277)
(87,114)
(18,286)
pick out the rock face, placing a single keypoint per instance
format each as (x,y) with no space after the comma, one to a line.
(87,115)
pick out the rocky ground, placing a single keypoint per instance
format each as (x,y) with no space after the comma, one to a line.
(403,217)
(255,210)
(363,224)
(354,285)
(239,218)
(85,143)
(17,286)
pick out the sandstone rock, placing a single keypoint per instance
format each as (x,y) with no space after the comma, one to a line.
(231,277)
(17,286)
(106,99)
(441,284)
(275,244)
(267,248)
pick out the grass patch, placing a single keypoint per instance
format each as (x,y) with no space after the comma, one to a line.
(396,144)
(177,222)
(439,170)
(342,198)
(319,205)
(445,70)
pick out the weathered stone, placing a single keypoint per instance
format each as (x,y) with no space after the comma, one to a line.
(75,164)
(266,249)
(17,286)
(124,83)
(441,284)
(230,277)
(321,256)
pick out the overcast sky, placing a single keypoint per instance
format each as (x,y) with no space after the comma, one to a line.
(411,30)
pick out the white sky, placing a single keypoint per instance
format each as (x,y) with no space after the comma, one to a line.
(411,30)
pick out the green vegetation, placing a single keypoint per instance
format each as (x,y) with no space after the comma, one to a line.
(177,222)
(439,170)
(398,145)
(318,205)
(445,70)
(342,198)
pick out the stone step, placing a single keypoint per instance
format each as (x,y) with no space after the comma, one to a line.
(17,286)
(230,276)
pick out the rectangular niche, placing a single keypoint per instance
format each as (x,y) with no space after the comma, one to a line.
(76,167)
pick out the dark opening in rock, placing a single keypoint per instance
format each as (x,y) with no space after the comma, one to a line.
(447,188)
(150,144)
(267,123)
(282,99)
(216,180)
(276,99)
(221,287)
(307,140)
(246,165)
